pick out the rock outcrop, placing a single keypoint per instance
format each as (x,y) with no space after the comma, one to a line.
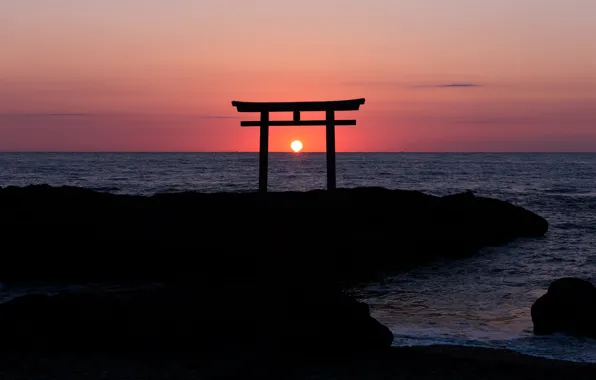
(73,234)
(569,306)
(248,269)
(173,319)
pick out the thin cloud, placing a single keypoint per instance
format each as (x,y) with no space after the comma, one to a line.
(27,115)
(494,120)
(405,85)
(450,85)
(374,84)
(218,117)
(460,85)
(63,115)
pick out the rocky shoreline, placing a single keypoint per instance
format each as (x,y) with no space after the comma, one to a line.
(422,363)
(250,281)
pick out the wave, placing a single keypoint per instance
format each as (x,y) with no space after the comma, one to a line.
(561,190)
(575,226)
(559,347)
(107,189)
(570,192)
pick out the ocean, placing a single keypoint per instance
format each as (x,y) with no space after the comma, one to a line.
(483,300)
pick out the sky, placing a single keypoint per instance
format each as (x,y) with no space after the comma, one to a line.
(438,76)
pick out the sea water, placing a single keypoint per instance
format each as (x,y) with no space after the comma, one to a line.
(483,300)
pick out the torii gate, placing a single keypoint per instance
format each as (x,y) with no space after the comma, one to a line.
(296,107)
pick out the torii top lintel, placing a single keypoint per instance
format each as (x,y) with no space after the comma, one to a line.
(334,105)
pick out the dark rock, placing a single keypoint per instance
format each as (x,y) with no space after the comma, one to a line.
(75,234)
(569,306)
(174,319)
(333,321)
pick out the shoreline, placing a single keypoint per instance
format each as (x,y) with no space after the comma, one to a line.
(522,344)
(480,346)
(433,362)
(227,298)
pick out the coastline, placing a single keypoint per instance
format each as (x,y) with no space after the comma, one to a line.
(461,222)
(434,362)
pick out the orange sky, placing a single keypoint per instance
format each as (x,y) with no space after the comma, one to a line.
(149,75)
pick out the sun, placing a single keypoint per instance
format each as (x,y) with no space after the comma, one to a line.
(296,146)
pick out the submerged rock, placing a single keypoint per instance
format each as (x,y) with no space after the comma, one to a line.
(569,306)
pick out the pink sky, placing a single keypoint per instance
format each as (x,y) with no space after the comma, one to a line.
(152,75)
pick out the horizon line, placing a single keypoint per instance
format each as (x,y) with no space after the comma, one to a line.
(293,153)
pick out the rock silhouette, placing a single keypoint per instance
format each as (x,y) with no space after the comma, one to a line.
(75,234)
(174,319)
(569,306)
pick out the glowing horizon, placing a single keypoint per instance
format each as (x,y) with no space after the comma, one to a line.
(134,75)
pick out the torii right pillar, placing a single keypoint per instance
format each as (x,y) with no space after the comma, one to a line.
(330,148)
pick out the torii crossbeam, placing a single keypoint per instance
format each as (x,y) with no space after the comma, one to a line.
(297,107)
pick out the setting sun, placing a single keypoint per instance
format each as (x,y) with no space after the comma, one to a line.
(296,146)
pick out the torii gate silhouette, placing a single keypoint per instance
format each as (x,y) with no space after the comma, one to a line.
(330,107)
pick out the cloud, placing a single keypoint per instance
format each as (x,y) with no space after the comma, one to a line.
(405,85)
(375,84)
(27,115)
(460,85)
(218,117)
(62,115)
(450,85)
(495,120)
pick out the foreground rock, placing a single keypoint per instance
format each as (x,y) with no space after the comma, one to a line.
(75,234)
(569,306)
(172,319)
(421,363)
